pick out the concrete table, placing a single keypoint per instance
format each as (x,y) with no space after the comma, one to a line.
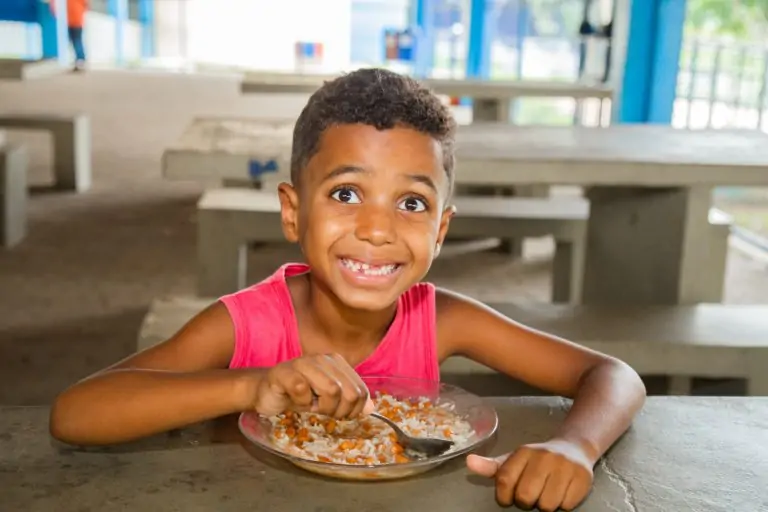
(71,135)
(491,98)
(649,187)
(682,454)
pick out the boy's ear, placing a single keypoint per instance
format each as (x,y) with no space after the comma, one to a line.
(289,211)
(445,220)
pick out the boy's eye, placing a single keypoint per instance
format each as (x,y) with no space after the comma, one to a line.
(346,195)
(412,204)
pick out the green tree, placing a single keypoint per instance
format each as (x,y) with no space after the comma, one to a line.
(740,19)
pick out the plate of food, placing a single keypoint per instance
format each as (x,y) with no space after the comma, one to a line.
(367,448)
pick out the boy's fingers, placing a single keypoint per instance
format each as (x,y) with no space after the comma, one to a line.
(484,466)
(351,396)
(368,407)
(364,403)
(294,386)
(326,387)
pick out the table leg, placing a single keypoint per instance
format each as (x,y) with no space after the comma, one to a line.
(646,246)
(221,257)
(72,155)
(13,195)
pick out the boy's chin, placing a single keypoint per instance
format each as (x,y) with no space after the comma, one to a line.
(368,301)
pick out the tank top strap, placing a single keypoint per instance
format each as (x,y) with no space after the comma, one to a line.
(264,321)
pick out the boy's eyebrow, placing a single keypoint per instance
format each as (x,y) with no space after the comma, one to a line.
(423,178)
(351,169)
(344,169)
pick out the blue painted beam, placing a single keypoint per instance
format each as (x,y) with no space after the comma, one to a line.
(53,30)
(649,82)
(118,9)
(422,18)
(147,20)
(480,39)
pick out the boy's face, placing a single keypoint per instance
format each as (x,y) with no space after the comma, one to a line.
(369,212)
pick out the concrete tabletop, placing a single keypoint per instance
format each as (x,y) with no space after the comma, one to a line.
(266,82)
(682,454)
(499,154)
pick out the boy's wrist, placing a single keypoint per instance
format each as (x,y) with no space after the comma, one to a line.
(245,384)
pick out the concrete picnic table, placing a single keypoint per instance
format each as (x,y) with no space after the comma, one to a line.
(682,454)
(649,187)
(491,99)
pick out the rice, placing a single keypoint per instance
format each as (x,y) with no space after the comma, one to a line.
(368,441)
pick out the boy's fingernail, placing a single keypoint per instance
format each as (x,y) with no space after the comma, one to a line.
(369,407)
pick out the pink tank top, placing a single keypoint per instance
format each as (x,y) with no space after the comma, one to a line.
(266,331)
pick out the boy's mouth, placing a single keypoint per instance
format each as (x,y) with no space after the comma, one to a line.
(369,269)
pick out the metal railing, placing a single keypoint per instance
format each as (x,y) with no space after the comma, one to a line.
(722,84)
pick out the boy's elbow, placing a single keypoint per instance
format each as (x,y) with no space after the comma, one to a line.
(629,380)
(62,423)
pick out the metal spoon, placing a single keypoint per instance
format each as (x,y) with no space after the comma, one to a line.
(417,447)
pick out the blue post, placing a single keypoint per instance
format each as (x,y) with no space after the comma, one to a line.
(649,83)
(53,30)
(118,9)
(481,33)
(423,17)
(147,19)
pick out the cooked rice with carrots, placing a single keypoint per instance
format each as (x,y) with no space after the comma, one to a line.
(368,441)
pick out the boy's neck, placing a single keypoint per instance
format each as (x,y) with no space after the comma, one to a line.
(352,332)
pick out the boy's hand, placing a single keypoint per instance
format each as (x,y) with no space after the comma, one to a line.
(556,475)
(324,384)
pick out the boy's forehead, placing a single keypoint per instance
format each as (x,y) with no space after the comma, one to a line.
(364,145)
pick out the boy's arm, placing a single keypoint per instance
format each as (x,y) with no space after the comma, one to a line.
(178,382)
(607,393)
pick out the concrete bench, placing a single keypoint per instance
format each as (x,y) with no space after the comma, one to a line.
(71,145)
(229,219)
(704,340)
(13,194)
(26,69)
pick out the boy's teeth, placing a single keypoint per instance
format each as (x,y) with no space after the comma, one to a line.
(369,270)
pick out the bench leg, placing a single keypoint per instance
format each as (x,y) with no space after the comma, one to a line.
(514,246)
(13,195)
(221,259)
(757,380)
(72,155)
(567,272)
(711,282)
(490,110)
(679,385)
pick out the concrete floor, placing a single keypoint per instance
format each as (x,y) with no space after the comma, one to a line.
(73,294)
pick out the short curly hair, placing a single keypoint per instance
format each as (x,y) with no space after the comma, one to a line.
(375,97)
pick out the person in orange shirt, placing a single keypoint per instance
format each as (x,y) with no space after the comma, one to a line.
(75,20)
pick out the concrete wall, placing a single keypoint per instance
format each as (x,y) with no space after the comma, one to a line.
(22,40)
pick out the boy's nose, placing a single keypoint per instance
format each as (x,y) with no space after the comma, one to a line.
(376,225)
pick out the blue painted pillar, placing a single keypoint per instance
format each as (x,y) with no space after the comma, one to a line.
(481,33)
(147,19)
(118,9)
(423,18)
(53,30)
(649,82)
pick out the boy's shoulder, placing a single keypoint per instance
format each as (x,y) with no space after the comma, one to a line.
(268,294)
